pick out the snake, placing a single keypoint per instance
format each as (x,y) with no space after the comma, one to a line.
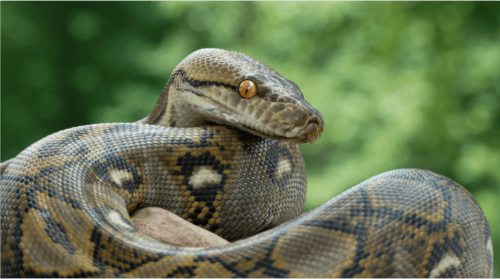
(221,150)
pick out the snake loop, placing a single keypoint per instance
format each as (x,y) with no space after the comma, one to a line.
(220,149)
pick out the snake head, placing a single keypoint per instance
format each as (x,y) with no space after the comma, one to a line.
(234,89)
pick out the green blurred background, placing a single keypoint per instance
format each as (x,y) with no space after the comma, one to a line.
(400,84)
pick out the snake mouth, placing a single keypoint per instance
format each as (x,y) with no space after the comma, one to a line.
(308,132)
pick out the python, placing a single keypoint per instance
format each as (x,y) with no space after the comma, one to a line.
(220,149)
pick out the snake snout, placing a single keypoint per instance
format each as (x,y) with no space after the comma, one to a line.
(308,122)
(299,123)
(313,129)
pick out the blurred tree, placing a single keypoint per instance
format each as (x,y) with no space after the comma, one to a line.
(400,84)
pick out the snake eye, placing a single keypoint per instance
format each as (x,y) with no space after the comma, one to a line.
(247,89)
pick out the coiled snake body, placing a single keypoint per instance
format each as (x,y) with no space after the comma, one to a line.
(66,199)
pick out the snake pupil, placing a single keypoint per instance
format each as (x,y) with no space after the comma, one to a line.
(247,89)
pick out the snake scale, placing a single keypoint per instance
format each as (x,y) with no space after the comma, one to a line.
(220,149)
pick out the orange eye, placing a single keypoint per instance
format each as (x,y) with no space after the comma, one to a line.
(247,89)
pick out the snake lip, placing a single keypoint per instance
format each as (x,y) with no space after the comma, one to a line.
(291,125)
(271,135)
(308,132)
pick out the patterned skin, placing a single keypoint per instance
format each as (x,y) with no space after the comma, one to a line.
(66,199)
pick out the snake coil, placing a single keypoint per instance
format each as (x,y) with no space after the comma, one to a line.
(220,149)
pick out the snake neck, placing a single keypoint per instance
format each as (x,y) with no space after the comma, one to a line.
(181,106)
(159,110)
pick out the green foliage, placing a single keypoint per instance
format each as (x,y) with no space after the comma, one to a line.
(400,84)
